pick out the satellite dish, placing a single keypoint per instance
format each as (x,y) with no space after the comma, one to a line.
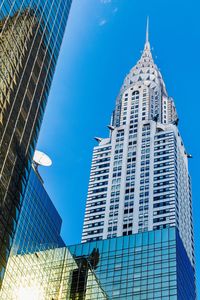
(41,159)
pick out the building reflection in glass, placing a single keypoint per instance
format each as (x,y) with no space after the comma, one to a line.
(30,37)
(86,265)
(50,274)
(150,265)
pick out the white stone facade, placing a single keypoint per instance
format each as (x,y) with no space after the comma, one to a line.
(139,176)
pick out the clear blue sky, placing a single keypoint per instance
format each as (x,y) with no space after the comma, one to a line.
(102,42)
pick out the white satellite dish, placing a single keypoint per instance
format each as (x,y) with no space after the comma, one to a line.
(41,159)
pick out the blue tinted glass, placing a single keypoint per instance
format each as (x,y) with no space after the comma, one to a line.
(145,238)
(112,244)
(119,243)
(172,234)
(132,241)
(138,240)
(139,273)
(158,236)
(151,237)
(165,235)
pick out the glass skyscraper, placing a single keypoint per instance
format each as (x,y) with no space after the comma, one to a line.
(31,33)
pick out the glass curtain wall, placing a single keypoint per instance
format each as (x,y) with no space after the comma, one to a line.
(150,265)
(31,33)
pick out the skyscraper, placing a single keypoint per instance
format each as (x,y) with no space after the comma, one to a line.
(139,177)
(31,33)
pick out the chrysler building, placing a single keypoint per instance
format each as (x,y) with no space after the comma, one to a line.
(139,178)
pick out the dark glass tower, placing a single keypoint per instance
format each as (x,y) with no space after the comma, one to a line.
(31,33)
(39,223)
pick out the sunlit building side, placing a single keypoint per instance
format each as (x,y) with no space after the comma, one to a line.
(31,33)
(140,183)
(48,274)
(139,179)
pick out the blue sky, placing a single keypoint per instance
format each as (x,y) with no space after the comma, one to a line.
(102,42)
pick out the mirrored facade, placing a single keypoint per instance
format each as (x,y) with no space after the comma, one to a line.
(31,33)
(42,275)
(150,265)
(39,223)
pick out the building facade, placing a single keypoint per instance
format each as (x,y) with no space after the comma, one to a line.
(31,33)
(39,224)
(148,265)
(139,177)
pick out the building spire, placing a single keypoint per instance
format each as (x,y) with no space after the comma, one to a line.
(147,44)
(147,31)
